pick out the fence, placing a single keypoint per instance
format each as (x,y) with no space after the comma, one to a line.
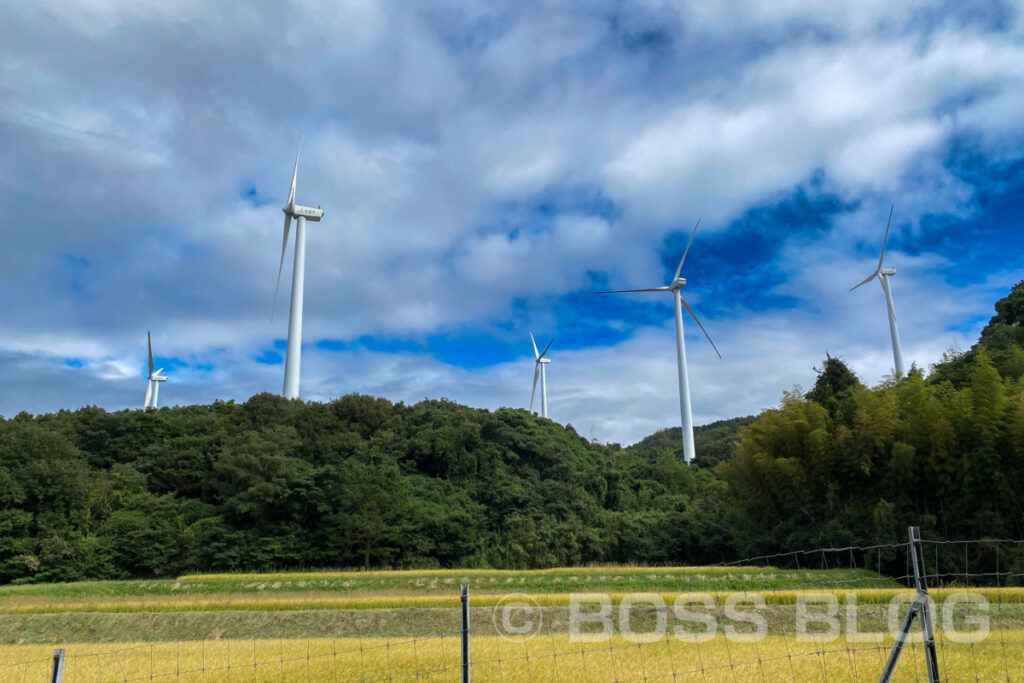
(915,611)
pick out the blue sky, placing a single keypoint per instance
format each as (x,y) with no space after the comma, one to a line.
(484,167)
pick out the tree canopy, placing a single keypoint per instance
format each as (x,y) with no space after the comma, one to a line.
(361,482)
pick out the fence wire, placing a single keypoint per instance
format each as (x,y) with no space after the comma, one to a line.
(805,625)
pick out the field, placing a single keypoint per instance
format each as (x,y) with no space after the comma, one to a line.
(348,626)
(552,658)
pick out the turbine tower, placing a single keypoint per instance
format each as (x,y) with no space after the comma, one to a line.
(677,284)
(883,275)
(301,214)
(539,365)
(154,379)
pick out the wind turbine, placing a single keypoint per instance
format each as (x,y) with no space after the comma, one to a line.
(540,362)
(883,275)
(301,214)
(684,384)
(154,379)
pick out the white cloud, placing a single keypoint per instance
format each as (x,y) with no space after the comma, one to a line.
(432,137)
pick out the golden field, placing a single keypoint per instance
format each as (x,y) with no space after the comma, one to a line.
(544,658)
(380,626)
(396,599)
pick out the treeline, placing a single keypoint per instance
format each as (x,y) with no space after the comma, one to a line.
(362,482)
(848,464)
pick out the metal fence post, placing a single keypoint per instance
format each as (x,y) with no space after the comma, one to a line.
(58,665)
(927,624)
(919,608)
(464,593)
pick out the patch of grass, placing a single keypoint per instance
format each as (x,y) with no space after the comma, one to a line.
(446,582)
(237,603)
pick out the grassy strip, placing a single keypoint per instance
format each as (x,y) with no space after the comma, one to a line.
(446,582)
(332,602)
(401,623)
(392,573)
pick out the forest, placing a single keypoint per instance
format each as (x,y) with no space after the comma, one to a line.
(362,482)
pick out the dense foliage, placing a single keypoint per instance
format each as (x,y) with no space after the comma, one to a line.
(359,481)
(355,482)
(848,464)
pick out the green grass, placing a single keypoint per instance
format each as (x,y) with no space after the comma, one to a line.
(335,603)
(446,582)
(97,627)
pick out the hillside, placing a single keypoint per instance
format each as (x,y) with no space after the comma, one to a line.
(359,481)
(362,482)
(1002,340)
(714,442)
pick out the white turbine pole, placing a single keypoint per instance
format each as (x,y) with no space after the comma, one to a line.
(684,384)
(156,392)
(680,303)
(302,214)
(543,390)
(293,357)
(897,350)
(883,274)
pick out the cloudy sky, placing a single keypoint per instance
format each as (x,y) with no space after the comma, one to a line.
(484,167)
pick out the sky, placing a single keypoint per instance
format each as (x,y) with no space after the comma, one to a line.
(483,168)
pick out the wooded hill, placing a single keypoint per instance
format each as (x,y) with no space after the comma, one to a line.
(359,481)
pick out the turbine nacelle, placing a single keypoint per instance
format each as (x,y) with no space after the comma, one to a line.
(545,361)
(678,283)
(879,270)
(307,212)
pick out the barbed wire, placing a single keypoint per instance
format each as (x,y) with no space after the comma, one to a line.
(863,606)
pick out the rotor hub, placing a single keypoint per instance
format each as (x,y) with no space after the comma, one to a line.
(678,283)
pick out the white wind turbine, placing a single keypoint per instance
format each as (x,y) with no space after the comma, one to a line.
(883,275)
(684,384)
(301,214)
(154,379)
(539,366)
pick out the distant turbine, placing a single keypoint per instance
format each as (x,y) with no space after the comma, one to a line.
(302,214)
(540,362)
(883,275)
(684,384)
(154,379)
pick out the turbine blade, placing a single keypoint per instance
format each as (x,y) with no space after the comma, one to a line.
(536,371)
(545,349)
(149,343)
(158,371)
(697,320)
(280,266)
(685,252)
(627,291)
(866,280)
(536,354)
(886,238)
(295,175)
(149,392)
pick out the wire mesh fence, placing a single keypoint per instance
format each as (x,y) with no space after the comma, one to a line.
(827,614)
